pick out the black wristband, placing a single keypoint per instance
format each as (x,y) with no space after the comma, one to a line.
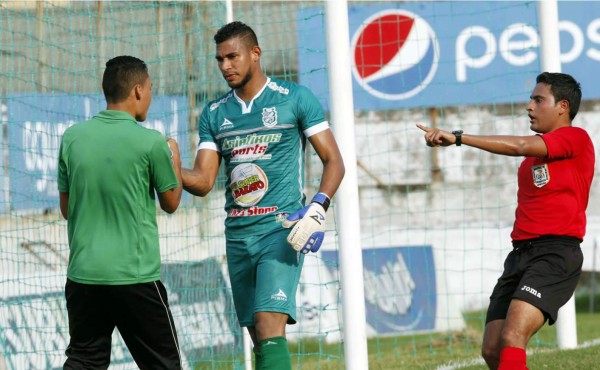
(458,135)
(322,199)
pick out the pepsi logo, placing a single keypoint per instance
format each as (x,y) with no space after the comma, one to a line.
(395,53)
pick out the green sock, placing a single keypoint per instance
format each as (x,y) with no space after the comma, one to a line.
(257,359)
(275,354)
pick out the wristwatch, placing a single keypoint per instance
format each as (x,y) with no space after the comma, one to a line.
(458,135)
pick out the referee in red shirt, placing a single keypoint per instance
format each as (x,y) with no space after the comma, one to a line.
(542,271)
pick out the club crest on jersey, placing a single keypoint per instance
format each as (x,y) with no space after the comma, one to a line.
(541,175)
(269,116)
(226,125)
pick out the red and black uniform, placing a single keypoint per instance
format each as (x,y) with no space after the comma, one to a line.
(553,191)
(544,267)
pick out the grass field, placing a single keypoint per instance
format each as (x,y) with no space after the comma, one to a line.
(447,351)
(458,350)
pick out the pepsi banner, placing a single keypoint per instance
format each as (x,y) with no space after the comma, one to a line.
(36,123)
(424,54)
(400,288)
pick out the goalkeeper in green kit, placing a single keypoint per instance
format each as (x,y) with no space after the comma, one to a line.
(259,128)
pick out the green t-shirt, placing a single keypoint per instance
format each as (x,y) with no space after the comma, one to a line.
(111,166)
(262,143)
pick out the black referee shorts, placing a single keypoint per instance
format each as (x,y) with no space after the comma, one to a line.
(542,272)
(140,312)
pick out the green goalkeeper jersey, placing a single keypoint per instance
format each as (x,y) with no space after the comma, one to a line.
(262,144)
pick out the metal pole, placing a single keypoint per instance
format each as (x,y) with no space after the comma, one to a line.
(347,208)
(566,323)
(550,38)
(229,11)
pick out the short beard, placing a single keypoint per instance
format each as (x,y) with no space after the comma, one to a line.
(242,83)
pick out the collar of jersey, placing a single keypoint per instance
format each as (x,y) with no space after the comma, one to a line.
(248,108)
(112,116)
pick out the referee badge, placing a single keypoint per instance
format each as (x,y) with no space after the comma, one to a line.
(541,175)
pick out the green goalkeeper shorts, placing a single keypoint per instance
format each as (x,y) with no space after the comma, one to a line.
(264,272)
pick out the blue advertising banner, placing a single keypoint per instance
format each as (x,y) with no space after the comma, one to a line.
(36,123)
(400,288)
(34,325)
(423,54)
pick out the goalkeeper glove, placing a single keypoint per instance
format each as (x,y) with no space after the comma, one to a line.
(309,225)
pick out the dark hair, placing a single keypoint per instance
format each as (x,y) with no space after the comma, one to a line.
(122,73)
(563,87)
(236,29)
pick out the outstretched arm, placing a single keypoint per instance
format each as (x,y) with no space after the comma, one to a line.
(201,179)
(525,146)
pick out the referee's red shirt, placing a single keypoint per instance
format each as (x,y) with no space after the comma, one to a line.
(553,191)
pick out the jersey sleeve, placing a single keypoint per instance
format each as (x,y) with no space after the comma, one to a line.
(63,175)
(161,168)
(566,142)
(310,113)
(207,139)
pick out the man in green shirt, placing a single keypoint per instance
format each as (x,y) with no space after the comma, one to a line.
(259,129)
(108,171)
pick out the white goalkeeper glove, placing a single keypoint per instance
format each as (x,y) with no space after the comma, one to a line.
(309,225)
